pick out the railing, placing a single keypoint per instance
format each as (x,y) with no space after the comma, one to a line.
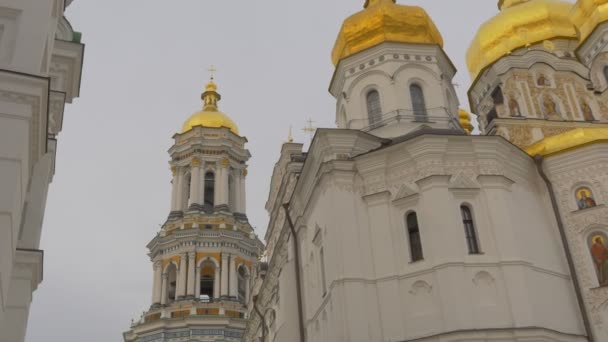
(430,115)
(224,307)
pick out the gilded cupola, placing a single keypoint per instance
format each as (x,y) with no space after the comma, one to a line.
(520,23)
(210,116)
(384,21)
(587,14)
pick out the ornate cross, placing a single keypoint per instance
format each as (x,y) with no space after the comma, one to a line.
(212,71)
(309,128)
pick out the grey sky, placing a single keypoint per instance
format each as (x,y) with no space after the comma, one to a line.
(144,69)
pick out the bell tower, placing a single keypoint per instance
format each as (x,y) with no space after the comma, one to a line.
(205,252)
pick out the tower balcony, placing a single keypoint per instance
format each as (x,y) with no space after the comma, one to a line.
(195,312)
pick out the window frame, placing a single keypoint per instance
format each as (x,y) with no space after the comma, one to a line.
(470,232)
(413,230)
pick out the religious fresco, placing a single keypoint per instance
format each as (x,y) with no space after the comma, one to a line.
(584,198)
(599,253)
(550,108)
(542,81)
(514,107)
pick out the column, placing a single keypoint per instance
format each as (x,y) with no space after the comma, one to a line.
(157,283)
(197,283)
(195,181)
(191,277)
(216,283)
(247,284)
(174,188)
(221,187)
(180,291)
(224,282)
(165,280)
(233,279)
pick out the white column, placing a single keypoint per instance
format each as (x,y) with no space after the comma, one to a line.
(165,280)
(197,282)
(216,283)
(191,277)
(195,181)
(221,187)
(233,279)
(224,282)
(157,283)
(174,190)
(218,181)
(180,292)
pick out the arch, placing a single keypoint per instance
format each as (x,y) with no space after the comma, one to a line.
(210,259)
(418,102)
(418,67)
(584,197)
(413,232)
(209,189)
(374,106)
(171,278)
(364,76)
(206,272)
(469,229)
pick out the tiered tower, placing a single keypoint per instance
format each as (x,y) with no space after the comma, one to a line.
(204,253)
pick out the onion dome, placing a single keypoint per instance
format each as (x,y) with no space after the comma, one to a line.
(210,116)
(520,23)
(465,121)
(587,14)
(384,21)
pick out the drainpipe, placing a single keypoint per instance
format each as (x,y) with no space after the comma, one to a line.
(296,250)
(257,310)
(538,159)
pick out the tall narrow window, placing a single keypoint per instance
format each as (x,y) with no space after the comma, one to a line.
(323,279)
(469,230)
(242,284)
(414,237)
(374,109)
(207,280)
(606,72)
(418,103)
(231,192)
(209,192)
(186,194)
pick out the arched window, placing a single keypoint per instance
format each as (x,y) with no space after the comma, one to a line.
(374,109)
(469,230)
(231,192)
(207,280)
(414,237)
(209,193)
(606,73)
(171,282)
(418,103)
(242,284)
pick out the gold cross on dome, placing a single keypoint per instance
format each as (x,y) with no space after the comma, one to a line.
(309,128)
(212,71)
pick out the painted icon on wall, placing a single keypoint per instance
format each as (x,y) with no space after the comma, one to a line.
(584,198)
(599,253)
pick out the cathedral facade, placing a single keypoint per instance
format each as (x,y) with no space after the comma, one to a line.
(400,225)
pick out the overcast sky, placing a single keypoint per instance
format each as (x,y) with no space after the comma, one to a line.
(144,69)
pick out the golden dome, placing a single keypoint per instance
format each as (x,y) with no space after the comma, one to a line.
(520,23)
(210,116)
(384,21)
(587,14)
(465,121)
